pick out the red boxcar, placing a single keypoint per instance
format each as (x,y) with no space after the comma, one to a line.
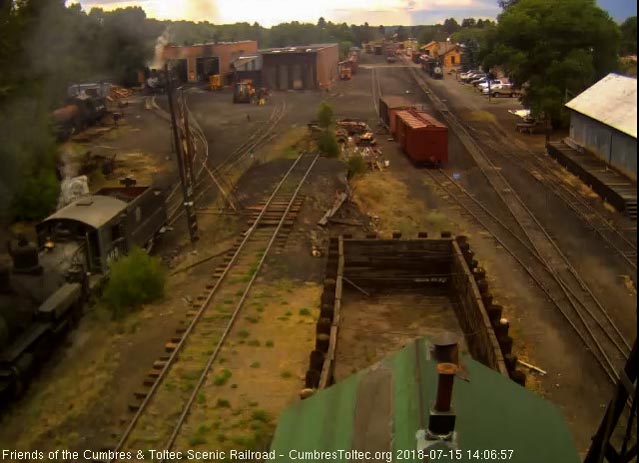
(422,137)
(388,103)
(392,118)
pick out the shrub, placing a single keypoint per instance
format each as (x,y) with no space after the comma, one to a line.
(134,279)
(325,114)
(222,378)
(260,415)
(223,403)
(327,144)
(356,165)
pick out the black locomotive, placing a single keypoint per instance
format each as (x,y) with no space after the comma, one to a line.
(43,286)
(85,106)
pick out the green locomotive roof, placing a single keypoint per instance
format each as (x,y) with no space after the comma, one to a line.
(384,406)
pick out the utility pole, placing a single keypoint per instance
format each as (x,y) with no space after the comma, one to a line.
(185,181)
(190,147)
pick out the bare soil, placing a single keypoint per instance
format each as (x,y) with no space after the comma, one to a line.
(85,391)
(372,327)
(574,381)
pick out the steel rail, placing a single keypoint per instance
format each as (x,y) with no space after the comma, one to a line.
(255,139)
(568,292)
(127,432)
(264,136)
(570,197)
(169,444)
(569,266)
(467,140)
(606,363)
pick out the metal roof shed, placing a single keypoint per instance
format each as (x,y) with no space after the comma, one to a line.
(383,408)
(603,120)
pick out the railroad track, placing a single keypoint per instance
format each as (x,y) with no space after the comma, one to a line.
(264,134)
(216,176)
(543,169)
(565,287)
(163,411)
(599,335)
(376,90)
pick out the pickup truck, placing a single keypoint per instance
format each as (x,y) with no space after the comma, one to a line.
(502,90)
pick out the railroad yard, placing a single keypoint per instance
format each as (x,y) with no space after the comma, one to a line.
(214,364)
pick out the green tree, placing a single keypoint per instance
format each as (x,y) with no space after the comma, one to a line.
(321,23)
(554,47)
(344,48)
(325,115)
(468,22)
(451,26)
(134,280)
(382,31)
(327,143)
(629,36)
(507,3)
(401,34)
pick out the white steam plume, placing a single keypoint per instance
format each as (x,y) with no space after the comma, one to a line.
(160,43)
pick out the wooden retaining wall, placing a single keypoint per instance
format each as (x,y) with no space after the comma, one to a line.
(400,264)
(472,313)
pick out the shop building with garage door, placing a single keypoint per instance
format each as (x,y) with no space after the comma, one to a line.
(306,67)
(195,63)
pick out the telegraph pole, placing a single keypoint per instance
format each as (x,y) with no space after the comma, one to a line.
(185,181)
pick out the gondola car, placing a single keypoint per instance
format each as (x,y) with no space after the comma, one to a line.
(44,286)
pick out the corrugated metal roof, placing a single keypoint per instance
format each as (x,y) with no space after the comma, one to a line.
(611,101)
(315,47)
(419,119)
(93,211)
(243,60)
(383,407)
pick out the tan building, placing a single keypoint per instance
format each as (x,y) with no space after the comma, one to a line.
(449,53)
(194,63)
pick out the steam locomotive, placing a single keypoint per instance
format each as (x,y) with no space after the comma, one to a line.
(44,285)
(86,104)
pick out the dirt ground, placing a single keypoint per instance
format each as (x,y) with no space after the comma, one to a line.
(81,398)
(372,327)
(574,381)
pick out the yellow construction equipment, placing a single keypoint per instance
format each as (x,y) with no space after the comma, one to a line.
(215,82)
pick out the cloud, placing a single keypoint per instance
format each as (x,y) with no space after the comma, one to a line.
(389,12)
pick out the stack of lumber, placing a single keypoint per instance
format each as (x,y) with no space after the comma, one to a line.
(118,92)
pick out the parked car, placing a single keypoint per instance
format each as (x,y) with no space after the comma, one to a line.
(480,80)
(484,85)
(467,74)
(470,76)
(475,75)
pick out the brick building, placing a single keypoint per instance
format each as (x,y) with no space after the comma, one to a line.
(194,63)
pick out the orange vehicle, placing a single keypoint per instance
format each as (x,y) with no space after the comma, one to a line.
(345,74)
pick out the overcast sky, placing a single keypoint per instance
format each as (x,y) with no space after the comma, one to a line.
(375,12)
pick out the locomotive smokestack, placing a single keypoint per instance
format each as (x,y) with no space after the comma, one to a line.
(446,376)
(441,421)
